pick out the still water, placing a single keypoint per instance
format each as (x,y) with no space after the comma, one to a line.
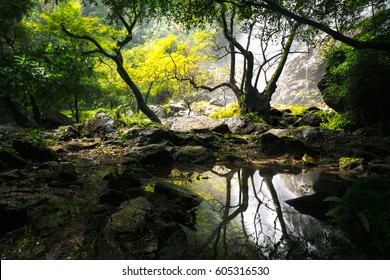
(244,215)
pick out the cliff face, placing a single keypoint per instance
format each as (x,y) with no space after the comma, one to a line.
(298,84)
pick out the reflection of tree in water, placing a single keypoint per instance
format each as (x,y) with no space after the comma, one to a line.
(257,240)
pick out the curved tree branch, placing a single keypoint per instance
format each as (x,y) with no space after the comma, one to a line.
(272,5)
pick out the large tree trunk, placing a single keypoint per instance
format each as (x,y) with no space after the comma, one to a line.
(137,93)
(35,109)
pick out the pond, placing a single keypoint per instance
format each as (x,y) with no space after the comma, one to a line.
(244,214)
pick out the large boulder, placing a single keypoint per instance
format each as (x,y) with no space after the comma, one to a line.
(53,119)
(309,119)
(101,125)
(190,123)
(194,155)
(154,154)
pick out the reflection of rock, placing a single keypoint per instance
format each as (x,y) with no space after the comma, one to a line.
(120,187)
(99,126)
(178,195)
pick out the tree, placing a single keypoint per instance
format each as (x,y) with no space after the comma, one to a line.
(264,28)
(330,16)
(11,14)
(123,16)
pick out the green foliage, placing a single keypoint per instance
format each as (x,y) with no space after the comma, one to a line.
(364,213)
(27,244)
(336,121)
(356,81)
(78,253)
(231,110)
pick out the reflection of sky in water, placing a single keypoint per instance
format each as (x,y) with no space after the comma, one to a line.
(255,221)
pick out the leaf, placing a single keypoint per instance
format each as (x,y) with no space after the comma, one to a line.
(363,220)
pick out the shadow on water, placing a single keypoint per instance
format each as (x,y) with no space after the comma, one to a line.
(244,214)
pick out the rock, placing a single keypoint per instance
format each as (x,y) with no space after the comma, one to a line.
(159,111)
(379,168)
(9,159)
(153,135)
(128,233)
(53,119)
(101,125)
(313,205)
(64,176)
(346,163)
(205,138)
(154,154)
(33,151)
(12,216)
(194,155)
(123,181)
(189,123)
(298,83)
(241,125)
(66,171)
(272,145)
(65,133)
(120,187)
(308,160)
(308,119)
(172,241)
(220,128)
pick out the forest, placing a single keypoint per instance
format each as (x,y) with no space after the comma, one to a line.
(194,129)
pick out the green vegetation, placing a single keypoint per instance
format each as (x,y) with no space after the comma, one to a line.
(364,213)
(231,110)
(84,55)
(355,81)
(335,121)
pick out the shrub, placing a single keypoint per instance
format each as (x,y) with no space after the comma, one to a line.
(231,110)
